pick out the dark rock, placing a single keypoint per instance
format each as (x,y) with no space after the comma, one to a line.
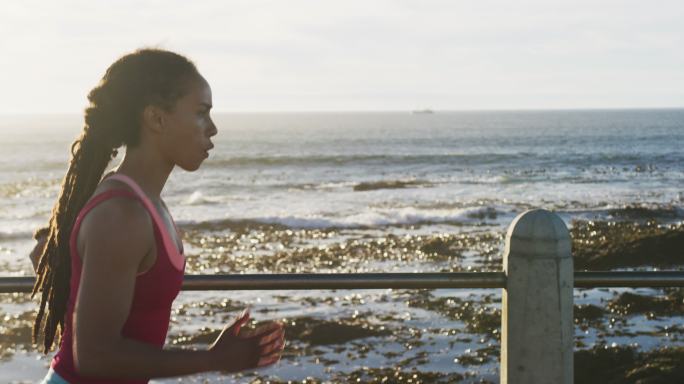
(389,184)
(628,303)
(638,212)
(588,313)
(601,245)
(439,246)
(603,365)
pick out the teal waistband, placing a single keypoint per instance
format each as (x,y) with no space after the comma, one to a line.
(53,378)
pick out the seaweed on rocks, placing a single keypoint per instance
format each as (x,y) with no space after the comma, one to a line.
(398,375)
(328,332)
(479,356)
(15,333)
(628,303)
(306,250)
(208,307)
(479,318)
(588,313)
(605,245)
(621,364)
(379,376)
(438,245)
(640,212)
(603,365)
(309,330)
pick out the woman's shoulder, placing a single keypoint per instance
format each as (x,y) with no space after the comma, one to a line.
(118,218)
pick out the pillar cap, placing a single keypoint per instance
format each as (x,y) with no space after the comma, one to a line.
(538,233)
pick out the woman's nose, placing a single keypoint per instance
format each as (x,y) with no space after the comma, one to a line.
(212,130)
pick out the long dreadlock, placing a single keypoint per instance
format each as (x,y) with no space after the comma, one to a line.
(135,81)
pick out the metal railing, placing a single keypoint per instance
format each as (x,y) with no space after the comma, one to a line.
(472,280)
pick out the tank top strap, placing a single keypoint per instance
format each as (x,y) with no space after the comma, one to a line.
(176,258)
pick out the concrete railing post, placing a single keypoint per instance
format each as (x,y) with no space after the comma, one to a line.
(536,317)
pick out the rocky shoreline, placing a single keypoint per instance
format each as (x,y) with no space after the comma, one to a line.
(336,327)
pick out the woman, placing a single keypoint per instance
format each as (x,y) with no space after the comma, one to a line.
(112,261)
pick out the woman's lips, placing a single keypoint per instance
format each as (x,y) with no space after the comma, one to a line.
(206,150)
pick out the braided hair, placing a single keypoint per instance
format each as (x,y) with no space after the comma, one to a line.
(113,118)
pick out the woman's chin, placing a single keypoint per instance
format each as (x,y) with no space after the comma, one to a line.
(190,167)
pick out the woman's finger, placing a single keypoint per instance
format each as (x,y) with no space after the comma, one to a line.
(276,345)
(261,331)
(241,320)
(276,348)
(266,361)
(269,338)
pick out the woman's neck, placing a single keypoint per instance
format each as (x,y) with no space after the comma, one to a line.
(148,170)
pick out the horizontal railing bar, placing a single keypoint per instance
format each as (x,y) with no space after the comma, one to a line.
(387,280)
(629,279)
(314,281)
(346,281)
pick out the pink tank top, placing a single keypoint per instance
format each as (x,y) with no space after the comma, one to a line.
(154,291)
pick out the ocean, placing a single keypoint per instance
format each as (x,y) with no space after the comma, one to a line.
(369,192)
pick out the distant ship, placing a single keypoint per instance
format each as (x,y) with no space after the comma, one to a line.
(422,112)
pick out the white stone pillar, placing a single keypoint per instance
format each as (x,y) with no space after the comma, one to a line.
(536,316)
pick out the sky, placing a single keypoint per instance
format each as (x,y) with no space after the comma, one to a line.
(348,55)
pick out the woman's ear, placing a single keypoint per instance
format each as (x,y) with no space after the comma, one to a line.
(153,119)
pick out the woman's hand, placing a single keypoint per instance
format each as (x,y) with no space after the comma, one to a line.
(236,349)
(41,239)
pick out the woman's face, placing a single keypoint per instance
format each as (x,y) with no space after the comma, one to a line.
(186,139)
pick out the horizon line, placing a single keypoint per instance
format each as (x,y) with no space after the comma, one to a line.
(409,111)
